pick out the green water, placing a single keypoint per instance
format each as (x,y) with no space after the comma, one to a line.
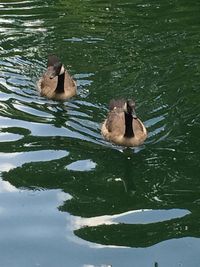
(69,198)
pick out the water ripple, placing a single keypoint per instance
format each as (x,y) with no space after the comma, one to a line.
(142,50)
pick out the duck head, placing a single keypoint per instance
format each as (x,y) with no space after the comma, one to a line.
(129,108)
(54,67)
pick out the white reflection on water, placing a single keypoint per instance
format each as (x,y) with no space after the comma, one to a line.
(81,165)
(6,187)
(9,137)
(136,216)
(131,217)
(39,129)
(9,161)
(62,197)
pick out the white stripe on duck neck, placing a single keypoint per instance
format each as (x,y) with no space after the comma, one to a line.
(62,70)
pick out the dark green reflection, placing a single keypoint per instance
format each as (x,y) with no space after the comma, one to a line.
(118,184)
(143,49)
(141,235)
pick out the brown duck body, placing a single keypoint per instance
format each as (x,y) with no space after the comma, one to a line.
(56,83)
(48,87)
(122,128)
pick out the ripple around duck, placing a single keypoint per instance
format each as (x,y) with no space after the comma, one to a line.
(17,82)
(20,28)
(21,98)
(14,79)
(21,5)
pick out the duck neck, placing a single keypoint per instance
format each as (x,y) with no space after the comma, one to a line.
(128,125)
(60,83)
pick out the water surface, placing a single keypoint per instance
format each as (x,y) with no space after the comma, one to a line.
(68,197)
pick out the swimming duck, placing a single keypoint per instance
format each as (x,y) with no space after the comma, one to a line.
(122,126)
(56,83)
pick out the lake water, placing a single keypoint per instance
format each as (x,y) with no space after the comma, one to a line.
(68,198)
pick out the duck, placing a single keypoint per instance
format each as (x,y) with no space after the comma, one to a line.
(56,83)
(122,126)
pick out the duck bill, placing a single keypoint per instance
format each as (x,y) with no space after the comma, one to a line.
(134,114)
(51,73)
